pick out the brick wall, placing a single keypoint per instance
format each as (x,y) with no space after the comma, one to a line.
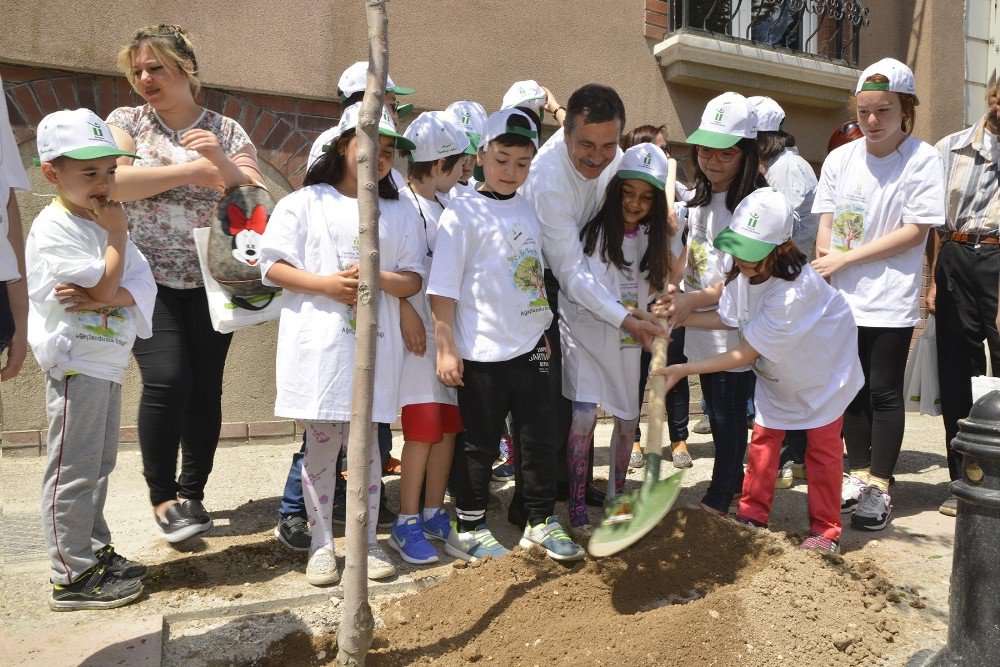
(657,19)
(282,128)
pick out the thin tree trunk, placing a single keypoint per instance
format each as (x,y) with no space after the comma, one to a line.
(354,637)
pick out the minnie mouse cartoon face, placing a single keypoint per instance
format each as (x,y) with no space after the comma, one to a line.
(246,233)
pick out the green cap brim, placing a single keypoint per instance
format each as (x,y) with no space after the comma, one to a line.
(403,110)
(473,141)
(642,176)
(741,247)
(402,142)
(95,152)
(713,139)
(400,90)
(477,173)
(472,149)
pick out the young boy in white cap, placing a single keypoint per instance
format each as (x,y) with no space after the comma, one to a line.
(430,415)
(472,117)
(490,314)
(91,293)
(788,318)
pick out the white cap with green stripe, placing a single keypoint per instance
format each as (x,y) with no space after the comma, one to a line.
(900,77)
(646,162)
(762,221)
(349,121)
(727,119)
(78,134)
(355,78)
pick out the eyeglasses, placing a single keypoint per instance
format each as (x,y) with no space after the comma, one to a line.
(724,156)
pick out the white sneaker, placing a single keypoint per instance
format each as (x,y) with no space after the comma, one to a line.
(322,568)
(874,510)
(784,480)
(850,493)
(379,565)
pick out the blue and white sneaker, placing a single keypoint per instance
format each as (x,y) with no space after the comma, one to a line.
(473,545)
(408,539)
(438,527)
(551,537)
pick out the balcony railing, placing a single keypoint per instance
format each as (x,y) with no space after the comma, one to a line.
(829,29)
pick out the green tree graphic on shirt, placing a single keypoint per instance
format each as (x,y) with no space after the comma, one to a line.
(107,315)
(848,227)
(697,263)
(528,278)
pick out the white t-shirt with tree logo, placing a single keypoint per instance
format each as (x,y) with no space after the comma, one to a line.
(488,258)
(808,370)
(870,197)
(316,229)
(65,248)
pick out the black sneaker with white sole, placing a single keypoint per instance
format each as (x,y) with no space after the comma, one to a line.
(177,525)
(874,510)
(96,588)
(293,531)
(197,511)
(120,566)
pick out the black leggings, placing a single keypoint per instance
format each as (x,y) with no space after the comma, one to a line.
(181,405)
(874,421)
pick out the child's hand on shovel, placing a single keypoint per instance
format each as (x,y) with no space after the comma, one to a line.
(672,374)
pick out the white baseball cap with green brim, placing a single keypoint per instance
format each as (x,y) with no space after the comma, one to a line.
(355,79)
(436,135)
(769,113)
(472,117)
(647,162)
(497,125)
(761,222)
(349,121)
(727,119)
(900,78)
(524,94)
(78,134)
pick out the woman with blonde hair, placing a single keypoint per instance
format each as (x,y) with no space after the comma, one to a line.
(188,157)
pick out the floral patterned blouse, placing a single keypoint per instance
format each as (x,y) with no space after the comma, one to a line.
(161,225)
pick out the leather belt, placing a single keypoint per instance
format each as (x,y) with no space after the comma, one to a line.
(990,238)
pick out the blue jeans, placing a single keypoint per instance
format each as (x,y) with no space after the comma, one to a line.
(292,503)
(726,397)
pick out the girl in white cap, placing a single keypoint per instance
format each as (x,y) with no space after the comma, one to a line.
(786,318)
(727,169)
(310,249)
(430,416)
(625,246)
(877,198)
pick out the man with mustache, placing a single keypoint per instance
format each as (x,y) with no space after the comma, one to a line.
(966,261)
(566,185)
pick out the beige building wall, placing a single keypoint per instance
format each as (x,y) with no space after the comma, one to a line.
(447,50)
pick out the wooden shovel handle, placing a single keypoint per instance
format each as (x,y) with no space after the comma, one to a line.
(658,400)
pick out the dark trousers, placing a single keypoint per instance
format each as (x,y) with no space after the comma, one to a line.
(875,419)
(292,502)
(6,318)
(679,397)
(181,406)
(793,449)
(726,396)
(519,386)
(966,279)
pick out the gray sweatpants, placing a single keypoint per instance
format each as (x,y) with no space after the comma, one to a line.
(84,414)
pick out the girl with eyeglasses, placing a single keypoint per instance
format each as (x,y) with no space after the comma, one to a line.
(727,169)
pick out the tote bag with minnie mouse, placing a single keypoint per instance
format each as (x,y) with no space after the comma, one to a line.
(234,240)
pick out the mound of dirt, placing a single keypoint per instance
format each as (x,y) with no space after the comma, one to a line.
(698,590)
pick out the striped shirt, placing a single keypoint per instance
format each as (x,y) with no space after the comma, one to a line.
(973,181)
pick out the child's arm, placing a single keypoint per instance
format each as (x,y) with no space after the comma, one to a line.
(111,216)
(449,364)
(341,286)
(412,328)
(77,298)
(401,284)
(735,358)
(895,242)
(823,233)
(17,292)
(678,306)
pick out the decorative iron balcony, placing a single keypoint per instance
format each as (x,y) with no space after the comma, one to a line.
(829,29)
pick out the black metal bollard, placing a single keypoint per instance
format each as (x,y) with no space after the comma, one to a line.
(974,601)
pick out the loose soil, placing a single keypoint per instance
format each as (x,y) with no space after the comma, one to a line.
(698,590)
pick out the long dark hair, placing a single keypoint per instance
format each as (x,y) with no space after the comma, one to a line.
(745,182)
(770,144)
(608,228)
(785,261)
(331,167)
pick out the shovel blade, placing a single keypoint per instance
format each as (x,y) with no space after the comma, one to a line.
(632,515)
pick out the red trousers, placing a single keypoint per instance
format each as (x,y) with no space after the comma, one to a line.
(824,470)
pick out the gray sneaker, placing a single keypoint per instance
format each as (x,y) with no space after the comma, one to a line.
(474,544)
(551,537)
(874,509)
(322,568)
(703,427)
(636,460)
(379,565)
